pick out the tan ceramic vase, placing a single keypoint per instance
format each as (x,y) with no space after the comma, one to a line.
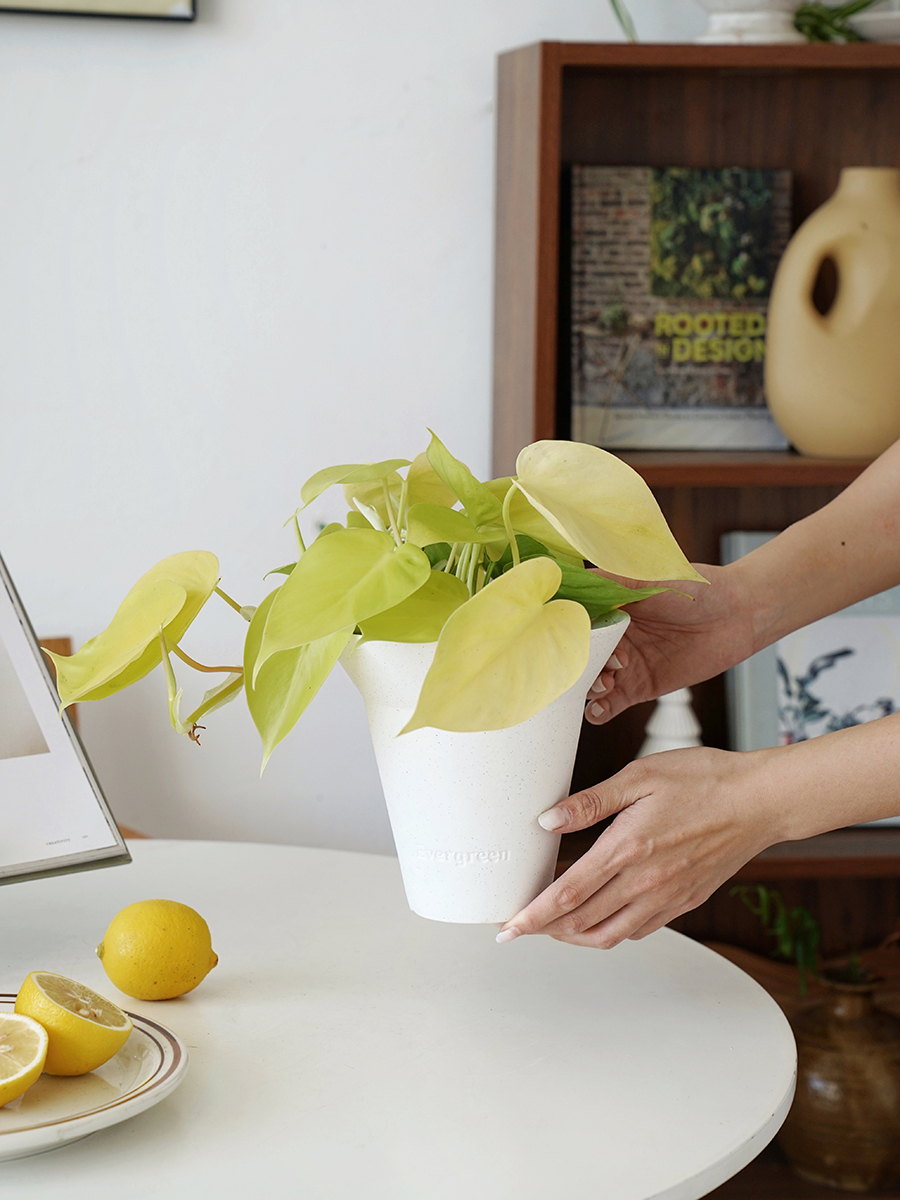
(843,1128)
(833,380)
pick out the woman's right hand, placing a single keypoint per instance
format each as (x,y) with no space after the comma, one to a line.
(675,640)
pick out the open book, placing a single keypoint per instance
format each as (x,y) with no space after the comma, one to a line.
(53,815)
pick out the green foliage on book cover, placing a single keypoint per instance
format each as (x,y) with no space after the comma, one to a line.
(711,233)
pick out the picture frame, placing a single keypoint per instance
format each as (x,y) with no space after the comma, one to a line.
(154,10)
(54,817)
(840,671)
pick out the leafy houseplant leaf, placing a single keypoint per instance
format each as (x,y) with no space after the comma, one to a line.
(505,655)
(603,508)
(421,616)
(169,595)
(286,682)
(349,473)
(526,519)
(370,495)
(438,553)
(338,582)
(425,485)
(482,507)
(429,523)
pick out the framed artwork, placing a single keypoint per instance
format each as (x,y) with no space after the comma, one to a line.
(835,673)
(53,815)
(167,10)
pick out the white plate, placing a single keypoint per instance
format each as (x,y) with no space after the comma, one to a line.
(878,26)
(58,1109)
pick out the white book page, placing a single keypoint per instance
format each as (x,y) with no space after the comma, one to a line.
(52,812)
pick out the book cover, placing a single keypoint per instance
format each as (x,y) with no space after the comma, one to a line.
(672,268)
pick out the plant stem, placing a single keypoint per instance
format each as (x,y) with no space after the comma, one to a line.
(200,667)
(453,551)
(404,505)
(474,559)
(234,686)
(392,519)
(507,525)
(301,546)
(228,600)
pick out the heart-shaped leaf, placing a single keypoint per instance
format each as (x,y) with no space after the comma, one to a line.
(348,473)
(169,595)
(525,518)
(482,507)
(338,582)
(421,616)
(505,655)
(425,485)
(429,523)
(603,508)
(286,682)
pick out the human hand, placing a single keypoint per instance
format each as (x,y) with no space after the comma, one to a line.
(687,820)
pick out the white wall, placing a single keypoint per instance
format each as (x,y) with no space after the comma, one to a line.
(232,253)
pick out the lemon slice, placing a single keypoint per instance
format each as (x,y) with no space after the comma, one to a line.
(84,1028)
(23,1050)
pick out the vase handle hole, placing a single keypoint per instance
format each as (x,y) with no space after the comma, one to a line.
(825,286)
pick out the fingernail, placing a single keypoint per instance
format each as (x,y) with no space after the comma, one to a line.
(507,935)
(614,664)
(553,818)
(597,710)
(596,688)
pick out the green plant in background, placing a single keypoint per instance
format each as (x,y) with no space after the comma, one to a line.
(797,933)
(830,23)
(492,572)
(711,233)
(624,18)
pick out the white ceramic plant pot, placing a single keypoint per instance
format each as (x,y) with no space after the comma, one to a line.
(464,806)
(745,21)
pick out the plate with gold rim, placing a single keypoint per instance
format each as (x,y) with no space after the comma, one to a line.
(56,1109)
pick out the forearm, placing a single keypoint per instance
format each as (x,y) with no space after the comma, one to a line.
(848,550)
(838,779)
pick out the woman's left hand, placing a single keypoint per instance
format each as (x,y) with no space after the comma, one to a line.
(687,820)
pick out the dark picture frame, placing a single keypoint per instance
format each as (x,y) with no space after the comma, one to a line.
(141,10)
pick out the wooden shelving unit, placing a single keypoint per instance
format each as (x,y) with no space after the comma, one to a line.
(814,110)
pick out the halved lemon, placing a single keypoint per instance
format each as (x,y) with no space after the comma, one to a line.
(23,1051)
(84,1028)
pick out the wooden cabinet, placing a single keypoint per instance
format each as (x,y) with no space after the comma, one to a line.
(813,109)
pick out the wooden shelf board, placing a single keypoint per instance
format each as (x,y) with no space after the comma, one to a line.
(738,468)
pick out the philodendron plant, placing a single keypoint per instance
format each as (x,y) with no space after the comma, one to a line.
(492,572)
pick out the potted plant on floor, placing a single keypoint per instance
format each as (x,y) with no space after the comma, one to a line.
(463,612)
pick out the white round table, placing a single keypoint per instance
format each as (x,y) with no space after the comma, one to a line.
(345,1049)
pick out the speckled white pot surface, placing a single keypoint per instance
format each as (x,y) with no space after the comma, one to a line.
(464,806)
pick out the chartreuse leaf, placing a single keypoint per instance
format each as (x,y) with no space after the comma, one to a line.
(526,519)
(421,616)
(286,682)
(482,507)
(349,473)
(425,485)
(604,508)
(338,582)
(370,495)
(427,523)
(169,595)
(505,654)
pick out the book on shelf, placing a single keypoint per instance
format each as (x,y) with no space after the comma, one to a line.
(54,815)
(671,271)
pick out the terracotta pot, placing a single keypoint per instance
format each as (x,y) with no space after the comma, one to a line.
(833,378)
(843,1129)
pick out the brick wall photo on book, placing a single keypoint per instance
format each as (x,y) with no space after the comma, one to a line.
(671,273)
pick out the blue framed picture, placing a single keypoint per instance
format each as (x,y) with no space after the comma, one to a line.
(841,671)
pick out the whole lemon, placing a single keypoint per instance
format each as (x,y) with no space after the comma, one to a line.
(157,949)
(84,1029)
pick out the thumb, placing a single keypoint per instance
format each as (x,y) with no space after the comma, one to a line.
(587,808)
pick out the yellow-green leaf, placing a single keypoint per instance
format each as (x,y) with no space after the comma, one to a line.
(286,682)
(427,523)
(348,473)
(338,582)
(169,595)
(421,616)
(482,508)
(370,495)
(506,654)
(425,485)
(603,508)
(526,519)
